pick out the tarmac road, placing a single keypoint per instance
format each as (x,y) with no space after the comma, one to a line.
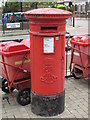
(14,37)
(81,27)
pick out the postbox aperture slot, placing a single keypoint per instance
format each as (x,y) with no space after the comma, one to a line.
(49,28)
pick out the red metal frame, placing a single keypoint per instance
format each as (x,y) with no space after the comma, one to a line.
(13,83)
(73,49)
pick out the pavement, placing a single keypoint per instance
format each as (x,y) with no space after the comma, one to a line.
(14,33)
(76,103)
(76,98)
(19,37)
(81,27)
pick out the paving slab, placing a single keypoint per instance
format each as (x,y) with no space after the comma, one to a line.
(76,103)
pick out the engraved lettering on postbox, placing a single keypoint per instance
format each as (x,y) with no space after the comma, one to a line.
(48,76)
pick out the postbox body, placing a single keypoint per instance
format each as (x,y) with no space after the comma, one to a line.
(48,73)
(47,37)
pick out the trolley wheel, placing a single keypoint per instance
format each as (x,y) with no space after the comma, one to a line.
(77,74)
(5,87)
(23,96)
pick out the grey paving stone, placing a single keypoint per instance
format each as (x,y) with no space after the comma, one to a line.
(76,103)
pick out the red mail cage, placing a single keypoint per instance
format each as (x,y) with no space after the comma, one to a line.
(15,69)
(80,56)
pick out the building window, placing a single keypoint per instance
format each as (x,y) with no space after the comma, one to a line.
(83,8)
(79,8)
(75,8)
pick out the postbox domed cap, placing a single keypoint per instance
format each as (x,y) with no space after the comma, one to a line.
(48,13)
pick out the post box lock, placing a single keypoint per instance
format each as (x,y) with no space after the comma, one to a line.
(62,59)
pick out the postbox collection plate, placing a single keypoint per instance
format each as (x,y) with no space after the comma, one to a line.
(48,44)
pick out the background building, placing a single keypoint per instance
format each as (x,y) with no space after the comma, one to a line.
(80,6)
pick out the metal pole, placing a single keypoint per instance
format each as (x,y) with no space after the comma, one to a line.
(73,21)
(36,5)
(3,26)
(73,17)
(22,11)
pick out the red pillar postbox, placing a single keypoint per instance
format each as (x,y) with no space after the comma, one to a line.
(47,36)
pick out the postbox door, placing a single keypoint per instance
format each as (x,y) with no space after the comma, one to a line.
(48,59)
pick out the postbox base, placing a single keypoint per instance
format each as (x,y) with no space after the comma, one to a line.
(48,106)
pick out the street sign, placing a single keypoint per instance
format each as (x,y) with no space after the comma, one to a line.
(13,25)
